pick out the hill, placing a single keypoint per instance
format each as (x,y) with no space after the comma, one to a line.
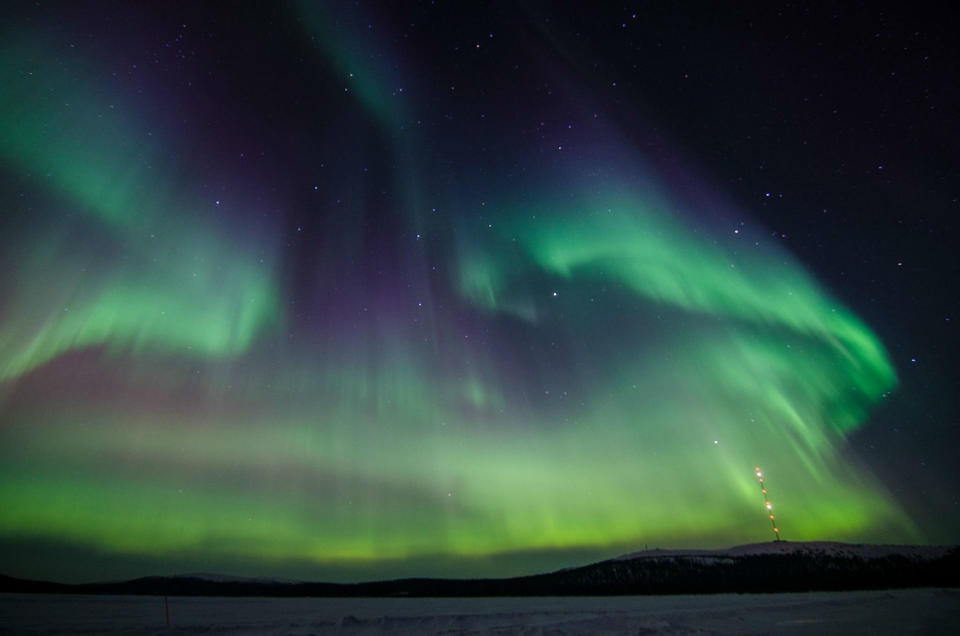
(763,567)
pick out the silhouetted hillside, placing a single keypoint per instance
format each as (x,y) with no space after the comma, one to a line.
(776,567)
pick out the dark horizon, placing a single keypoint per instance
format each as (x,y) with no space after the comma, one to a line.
(778,567)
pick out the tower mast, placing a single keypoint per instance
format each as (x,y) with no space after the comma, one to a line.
(769,506)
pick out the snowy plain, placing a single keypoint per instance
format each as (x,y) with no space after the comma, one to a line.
(913,611)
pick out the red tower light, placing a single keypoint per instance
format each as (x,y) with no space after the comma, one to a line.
(766,502)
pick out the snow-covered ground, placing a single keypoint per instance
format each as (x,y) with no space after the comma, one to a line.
(917,611)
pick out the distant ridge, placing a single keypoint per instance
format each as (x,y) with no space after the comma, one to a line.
(832,548)
(228,578)
(780,566)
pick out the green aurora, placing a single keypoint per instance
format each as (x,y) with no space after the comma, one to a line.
(584,370)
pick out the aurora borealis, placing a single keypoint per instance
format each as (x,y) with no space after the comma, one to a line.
(303,293)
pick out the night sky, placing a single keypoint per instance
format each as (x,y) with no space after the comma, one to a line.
(352,291)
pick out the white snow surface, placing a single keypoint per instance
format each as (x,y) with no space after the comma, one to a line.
(826,548)
(915,611)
